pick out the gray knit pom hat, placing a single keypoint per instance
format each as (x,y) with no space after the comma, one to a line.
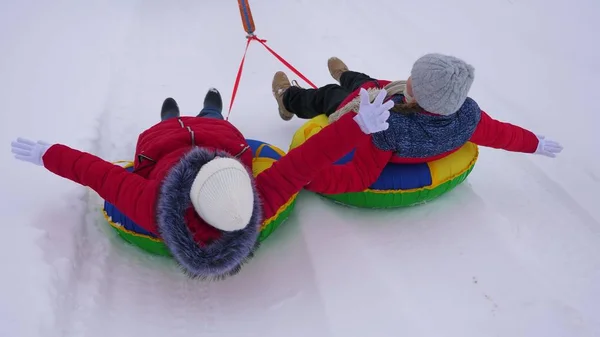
(441,83)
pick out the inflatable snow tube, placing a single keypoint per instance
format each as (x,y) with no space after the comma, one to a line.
(400,185)
(263,156)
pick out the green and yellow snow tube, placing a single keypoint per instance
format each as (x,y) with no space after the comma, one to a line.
(400,185)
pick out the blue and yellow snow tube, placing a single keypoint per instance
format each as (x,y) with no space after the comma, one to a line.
(400,185)
(263,156)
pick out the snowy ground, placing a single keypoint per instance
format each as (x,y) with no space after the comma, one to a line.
(515,251)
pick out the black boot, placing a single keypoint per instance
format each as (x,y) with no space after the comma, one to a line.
(170,109)
(213,100)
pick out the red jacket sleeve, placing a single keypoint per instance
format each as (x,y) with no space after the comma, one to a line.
(500,135)
(297,168)
(130,193)
(354,176)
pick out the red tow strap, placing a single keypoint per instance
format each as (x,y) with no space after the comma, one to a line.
(250,38)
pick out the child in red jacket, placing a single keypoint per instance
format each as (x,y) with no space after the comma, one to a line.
(192,183)
(432,118)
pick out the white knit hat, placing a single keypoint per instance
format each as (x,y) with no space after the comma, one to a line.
(222,194)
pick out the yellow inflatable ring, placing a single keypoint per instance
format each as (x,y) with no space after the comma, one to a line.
(401,185)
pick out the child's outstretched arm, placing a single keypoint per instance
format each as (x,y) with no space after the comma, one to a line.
(303,164)
(127,191)
(354,176)
(509,137)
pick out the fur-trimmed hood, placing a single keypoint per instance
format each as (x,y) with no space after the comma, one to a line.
(213,260)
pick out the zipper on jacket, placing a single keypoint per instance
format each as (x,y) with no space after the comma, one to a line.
(192,135)
(143,158)
(242,152)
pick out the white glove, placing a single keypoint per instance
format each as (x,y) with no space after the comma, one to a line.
(27,150)
(547,147)
(373,118)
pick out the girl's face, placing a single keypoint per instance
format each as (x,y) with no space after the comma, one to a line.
(409,86)
(408,92)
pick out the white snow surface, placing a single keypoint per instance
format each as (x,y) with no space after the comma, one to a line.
(514,251)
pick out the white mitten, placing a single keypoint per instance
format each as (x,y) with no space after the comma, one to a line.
(547,147)
(29,151)
(372,117)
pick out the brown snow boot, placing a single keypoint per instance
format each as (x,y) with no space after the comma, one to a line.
(336,68)
(280,84)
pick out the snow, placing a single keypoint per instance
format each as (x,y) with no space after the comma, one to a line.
(514,251)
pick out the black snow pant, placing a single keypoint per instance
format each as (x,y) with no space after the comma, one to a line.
(309,103)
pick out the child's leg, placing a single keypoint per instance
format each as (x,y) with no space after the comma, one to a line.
(352,80)
(213,105)
(309,103)
(211,113)
(348,79)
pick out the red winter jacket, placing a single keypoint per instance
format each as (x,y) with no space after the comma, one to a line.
(163,146)
(369,161)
